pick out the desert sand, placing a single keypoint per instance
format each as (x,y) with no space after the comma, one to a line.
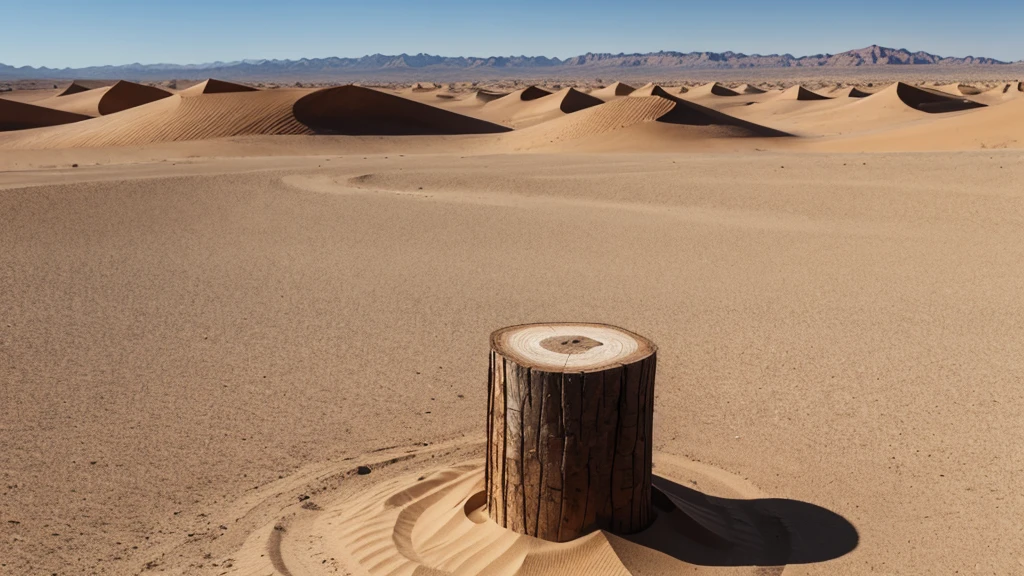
(244,331)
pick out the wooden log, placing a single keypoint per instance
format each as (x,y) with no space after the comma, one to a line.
(569,414)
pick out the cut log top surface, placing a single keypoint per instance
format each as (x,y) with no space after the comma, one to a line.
(570,347)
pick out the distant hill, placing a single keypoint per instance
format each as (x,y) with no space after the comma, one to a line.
(379,65)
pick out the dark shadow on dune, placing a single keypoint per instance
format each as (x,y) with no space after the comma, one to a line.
(711,531)
(126,95)
(803,94)
(22,116)
(358,111)
(693,114)
(574,101)
(933,101)
(74,88)
(533,93)
(489,96)
(719,90)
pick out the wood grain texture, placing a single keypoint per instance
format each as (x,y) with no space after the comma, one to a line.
(569,452)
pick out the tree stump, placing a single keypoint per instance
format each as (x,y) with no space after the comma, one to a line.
(569,415)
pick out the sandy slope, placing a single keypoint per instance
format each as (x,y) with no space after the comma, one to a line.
(888,109)
(528,107)
(15,115)
(798,92)
(213,86)
(106,100)
(215,109)
(188,356)
(613,90)
(995,127)
(196,116)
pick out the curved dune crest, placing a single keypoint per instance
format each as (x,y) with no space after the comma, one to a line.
(798,92)
(613,90)
(852,92)
(926,99)
(958,89)
(513,111)
(354,110)
(651,89)
(992,127)
(713,89)
(74,88)
(693,120)
(749,89)
(489,95)
(22,116)
(524,95)
(107,100)
(350,110)
(686,112)
(999,94)
(213,86)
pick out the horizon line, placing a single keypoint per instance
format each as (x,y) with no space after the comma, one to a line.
(560,59)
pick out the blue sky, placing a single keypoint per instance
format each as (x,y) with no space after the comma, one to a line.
(59,33)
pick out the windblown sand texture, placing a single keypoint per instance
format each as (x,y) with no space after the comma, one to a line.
(244,331)
(129,114)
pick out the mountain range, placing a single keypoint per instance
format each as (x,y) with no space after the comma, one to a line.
(382,66)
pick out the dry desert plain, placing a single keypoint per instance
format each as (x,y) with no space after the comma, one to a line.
(245,331)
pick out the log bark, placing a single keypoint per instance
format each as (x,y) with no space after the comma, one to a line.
(569,415)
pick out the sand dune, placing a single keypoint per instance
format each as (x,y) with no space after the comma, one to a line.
(927,99)
(992,127)
(29,96)
(213,86)
(749,89)
(614,90)
(354,110)
(21,116)
(489,95)
(74,88)
(798,92)
(107,100)
(610,122)
(850,92)
(651,89)
(217,109)
(348,110)
(895,105)
(516,111)
(958,89)
(711,89)
(999,94)
(526,94)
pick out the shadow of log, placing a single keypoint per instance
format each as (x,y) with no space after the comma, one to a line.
(710,531)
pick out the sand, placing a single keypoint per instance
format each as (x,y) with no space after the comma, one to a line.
(245,331)
(106,100)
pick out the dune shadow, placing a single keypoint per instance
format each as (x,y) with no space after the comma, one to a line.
(712,531)
(358,111)
(933,101)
